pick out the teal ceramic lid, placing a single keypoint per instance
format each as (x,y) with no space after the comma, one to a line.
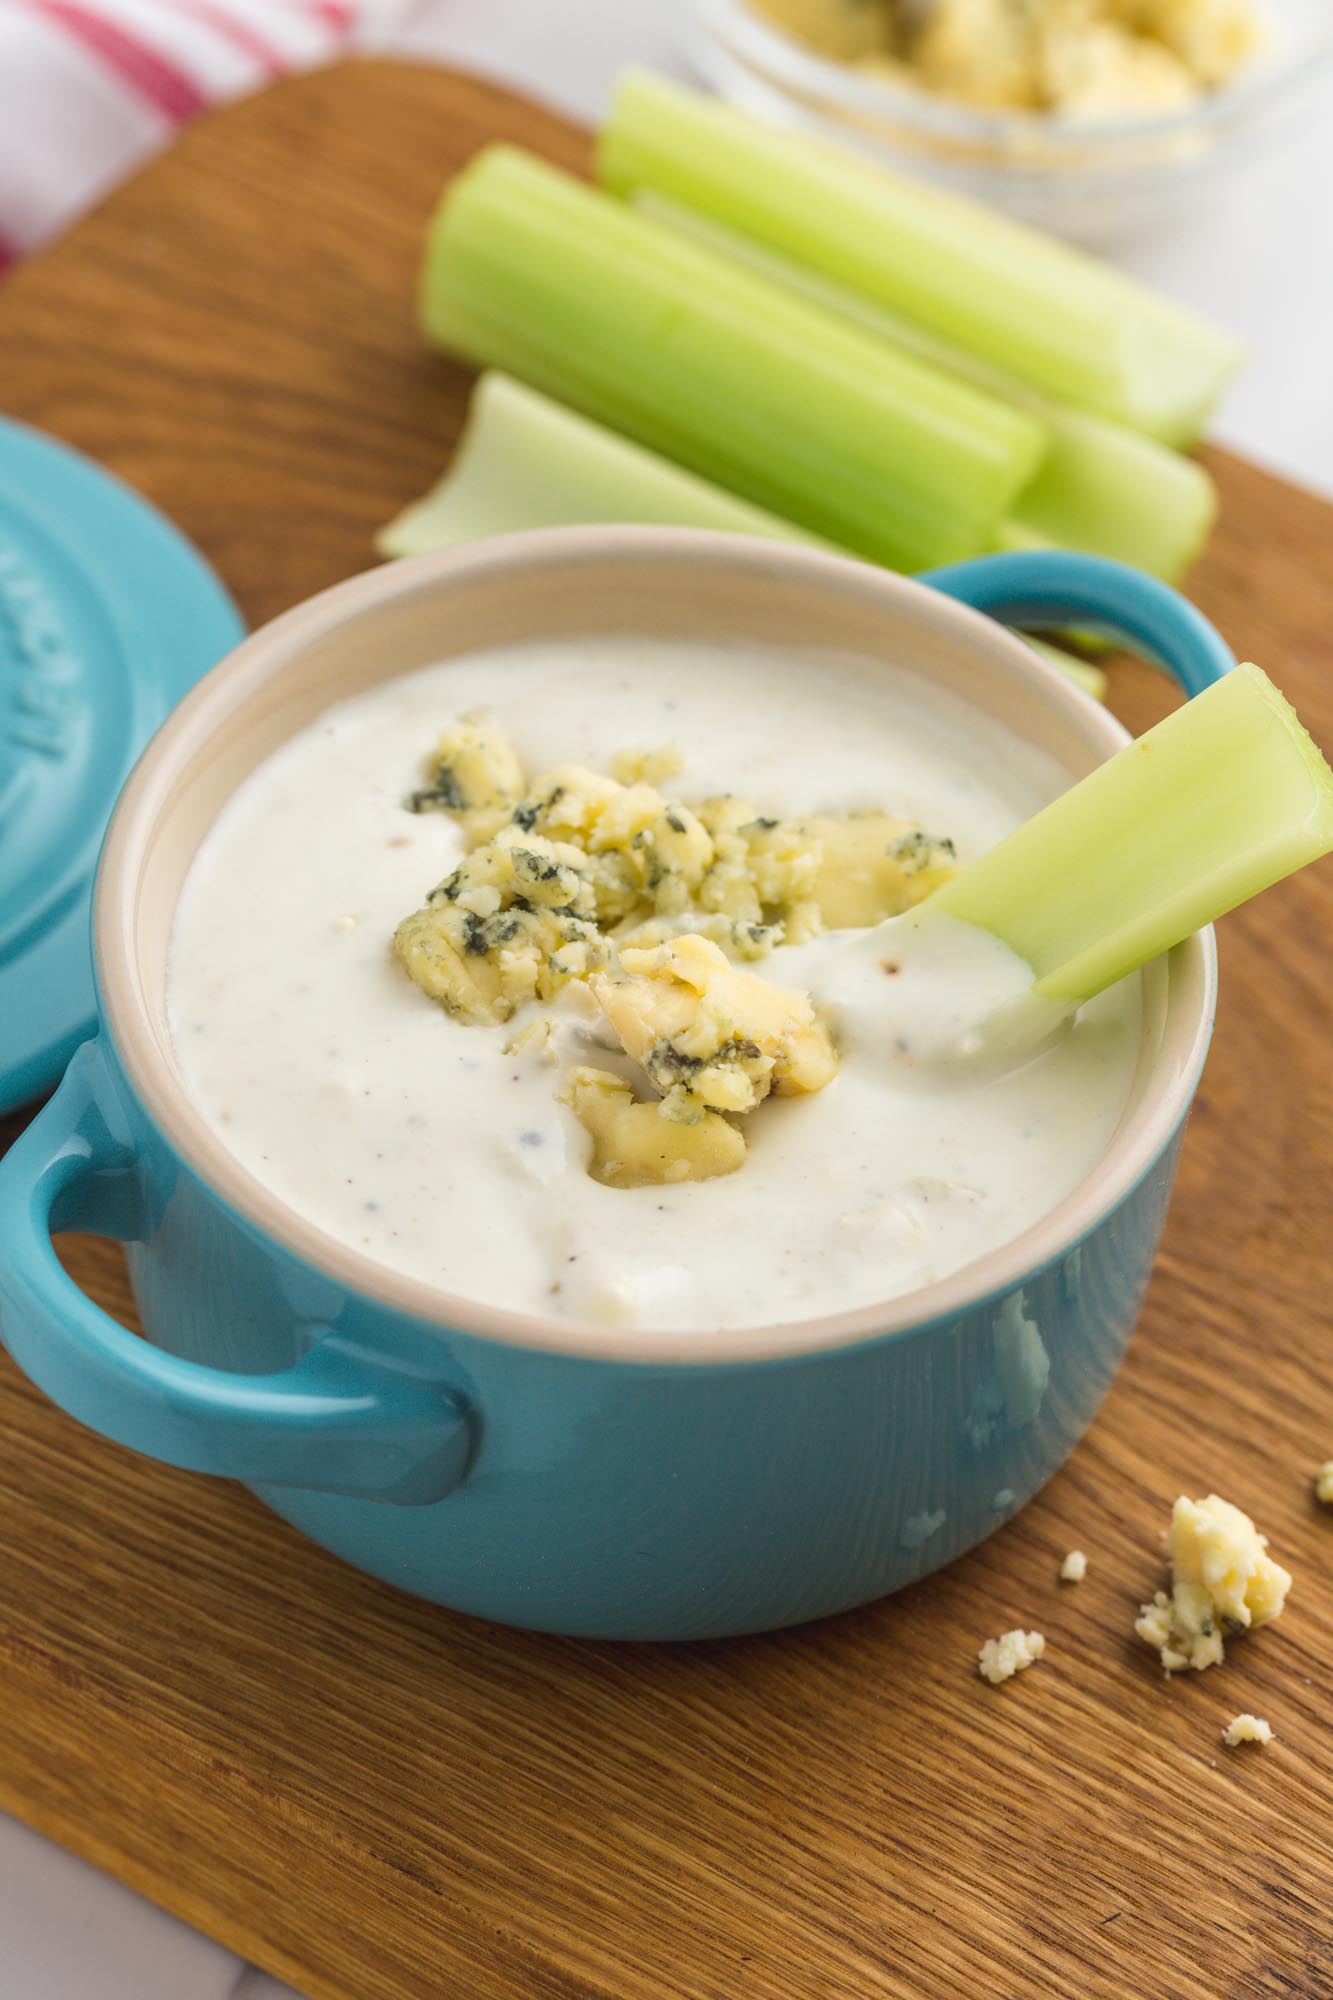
(107,616)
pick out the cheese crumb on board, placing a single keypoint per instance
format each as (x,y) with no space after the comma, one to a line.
(1247,1729)
(1223,1581)
(1074,1567)
(1323,1484)
(1000,1659)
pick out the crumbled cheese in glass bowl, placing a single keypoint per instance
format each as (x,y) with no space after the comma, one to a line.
(1140,146)
(1071,59)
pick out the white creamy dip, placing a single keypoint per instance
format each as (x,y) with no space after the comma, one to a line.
(358,1101)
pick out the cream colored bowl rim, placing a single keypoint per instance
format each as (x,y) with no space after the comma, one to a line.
(1149,1129)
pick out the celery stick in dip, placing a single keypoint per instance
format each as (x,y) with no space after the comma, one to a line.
(440,1149)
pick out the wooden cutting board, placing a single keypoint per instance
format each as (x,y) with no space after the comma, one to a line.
(383,1801)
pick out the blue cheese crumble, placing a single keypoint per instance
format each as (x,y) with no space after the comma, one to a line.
(578,878)
(1012,1653)
(1247,1729)
(1223,1581)
(516,921)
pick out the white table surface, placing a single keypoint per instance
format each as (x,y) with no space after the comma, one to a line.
(1259,265)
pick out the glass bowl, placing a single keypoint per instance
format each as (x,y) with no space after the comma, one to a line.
(1098,182)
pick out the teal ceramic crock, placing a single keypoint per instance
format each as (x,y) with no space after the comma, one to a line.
(608,1482)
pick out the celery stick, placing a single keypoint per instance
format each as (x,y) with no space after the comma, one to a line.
(1101,487)
(524,462)
(1052,315)
(1222,799)
(531,272)
(1082,673)
(1117,493)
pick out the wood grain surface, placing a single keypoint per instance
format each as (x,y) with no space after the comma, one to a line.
(383,1801)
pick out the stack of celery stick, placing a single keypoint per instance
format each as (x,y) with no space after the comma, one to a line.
(744,328)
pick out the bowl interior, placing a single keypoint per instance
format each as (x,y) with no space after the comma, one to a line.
(662,582)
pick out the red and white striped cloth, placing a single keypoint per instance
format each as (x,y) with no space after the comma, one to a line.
(88,88)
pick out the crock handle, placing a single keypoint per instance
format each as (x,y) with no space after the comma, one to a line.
(1052,589)
(338,1421)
